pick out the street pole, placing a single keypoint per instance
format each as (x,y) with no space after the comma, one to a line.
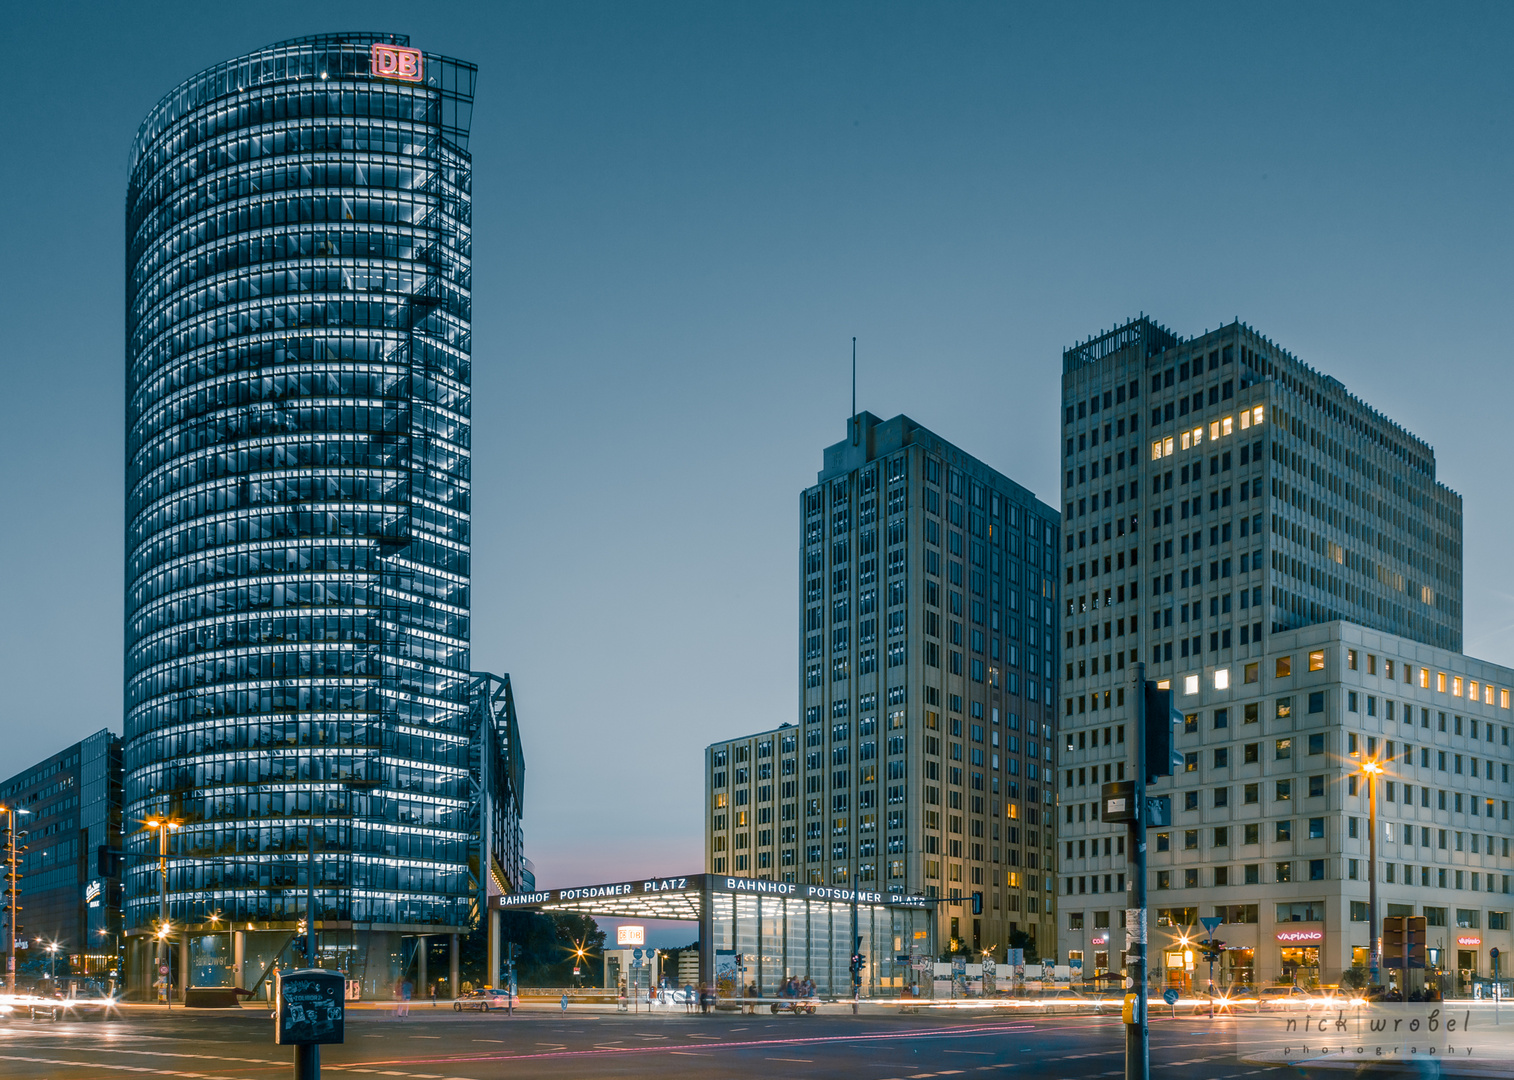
(310,890)
(856,951)
(1137,1035)
(1371,769)
(12,905)
(164,997)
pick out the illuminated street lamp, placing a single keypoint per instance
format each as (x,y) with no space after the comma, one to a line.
(1372,769)
(13,895)
(52,955)
(162,826)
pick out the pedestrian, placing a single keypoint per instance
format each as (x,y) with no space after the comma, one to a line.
(406,989)
(433,995)
(688,997)
(565,1001)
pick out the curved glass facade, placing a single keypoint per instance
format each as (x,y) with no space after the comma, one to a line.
(297,489)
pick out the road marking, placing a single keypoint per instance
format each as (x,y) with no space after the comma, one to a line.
(980,1053)
(810,1060)
(114,1068)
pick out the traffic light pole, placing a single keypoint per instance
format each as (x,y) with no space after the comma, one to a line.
(164,996)
(1137,1035)
(1372,923)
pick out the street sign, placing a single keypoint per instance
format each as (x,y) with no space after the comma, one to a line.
(1210,924)
(1170,996)
(1118,802)
(311,1009)
(162,969)
(1158,811)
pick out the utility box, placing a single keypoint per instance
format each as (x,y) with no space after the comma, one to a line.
(310,1008)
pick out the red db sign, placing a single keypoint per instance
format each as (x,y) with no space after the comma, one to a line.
(393,62)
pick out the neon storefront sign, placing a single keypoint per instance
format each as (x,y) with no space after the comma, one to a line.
(1300,935)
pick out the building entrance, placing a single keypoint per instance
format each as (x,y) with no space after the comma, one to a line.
(755,935)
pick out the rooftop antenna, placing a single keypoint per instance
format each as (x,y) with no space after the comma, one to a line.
(856,427)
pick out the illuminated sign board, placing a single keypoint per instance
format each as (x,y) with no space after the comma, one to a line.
(394,62)
(702,883)
(630,935)
(92,894)
(1464,940)
(1301,935)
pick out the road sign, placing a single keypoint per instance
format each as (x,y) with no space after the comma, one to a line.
(1118,801)
(1170,996)
(162,969)
(1210,924)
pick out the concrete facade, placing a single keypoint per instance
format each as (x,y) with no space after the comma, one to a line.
(1231,519)
(928,659)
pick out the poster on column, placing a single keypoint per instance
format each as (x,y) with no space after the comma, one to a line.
(727,974)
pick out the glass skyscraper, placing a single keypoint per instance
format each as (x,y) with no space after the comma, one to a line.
(298,237)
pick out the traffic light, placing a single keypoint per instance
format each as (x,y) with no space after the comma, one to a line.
(977,903)
(297,943)
(1404,935)
(1393,941)
(1212,949)
(1160,716)
(1414,932)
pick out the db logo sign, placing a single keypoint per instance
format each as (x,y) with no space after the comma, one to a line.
(393,62)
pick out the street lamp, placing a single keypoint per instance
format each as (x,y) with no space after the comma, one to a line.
(52,955)
(1371,769)
(13,891)
(115,956)
(162,826)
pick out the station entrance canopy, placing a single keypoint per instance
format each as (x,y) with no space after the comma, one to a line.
(754,934)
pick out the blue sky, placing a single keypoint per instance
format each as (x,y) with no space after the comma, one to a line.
(683,212)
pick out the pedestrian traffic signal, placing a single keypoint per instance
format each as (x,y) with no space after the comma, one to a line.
(1161,759)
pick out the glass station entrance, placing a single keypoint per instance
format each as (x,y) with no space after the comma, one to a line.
(756,934)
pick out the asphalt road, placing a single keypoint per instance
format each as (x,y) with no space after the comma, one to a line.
(437,1044)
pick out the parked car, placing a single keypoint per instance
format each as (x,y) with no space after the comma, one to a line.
(484,999)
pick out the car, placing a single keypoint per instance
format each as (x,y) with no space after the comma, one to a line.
(484,999)
(1281,997)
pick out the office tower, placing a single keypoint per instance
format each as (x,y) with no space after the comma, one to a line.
(68,816)
(927,666)
(297,506)
(1243,526)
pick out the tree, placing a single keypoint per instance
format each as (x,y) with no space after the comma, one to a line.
(1019,939)
(547,943)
